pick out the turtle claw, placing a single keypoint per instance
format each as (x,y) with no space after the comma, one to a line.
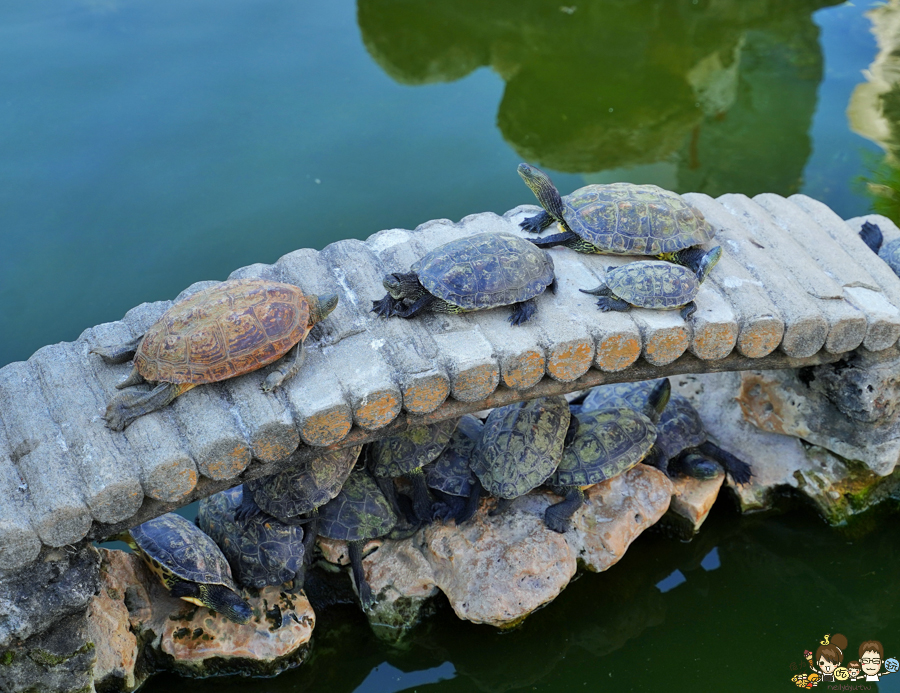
(386,307)
(272,381)
(556,521)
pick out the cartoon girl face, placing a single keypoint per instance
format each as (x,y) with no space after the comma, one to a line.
(825,666)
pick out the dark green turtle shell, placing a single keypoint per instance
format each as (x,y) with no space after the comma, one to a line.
(451,471)
(359,511)
(304,487)
(521,446)
(620,395)
(609,442)
(414,448)
(680,427)
(628,219)
(890,253)
(182,549)
(485,271)
(653,284)
(261,551)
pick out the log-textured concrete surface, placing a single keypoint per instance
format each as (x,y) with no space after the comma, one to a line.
(796,286)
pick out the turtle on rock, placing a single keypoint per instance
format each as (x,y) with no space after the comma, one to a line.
(608,442)
(227,330)
(189,564)
(653,284)
(450,476)
(889,252)
(486,270)
(261,550)
(358,513)
(618,219)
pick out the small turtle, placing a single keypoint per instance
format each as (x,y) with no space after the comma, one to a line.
(652,284)
(221,332)
(404,455)
(450,477)
(189,564)
(521,445)
(609,442)
(618,219)
(261,550)
(358,513)
(889,252)
(477,272)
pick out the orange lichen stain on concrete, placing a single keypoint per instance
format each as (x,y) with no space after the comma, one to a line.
(476,383)
(178,480)
(523,370)
(617,352)
(271,448)
(326,428)
(230,464)
(665,347)
(714,341)
(760,402)
(425,395)
(761,339)
(377,410)
(571,361)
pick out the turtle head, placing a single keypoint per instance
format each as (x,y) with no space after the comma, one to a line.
(225,601)
(543,190)
(707,262)
(320,307)
(401,286)
(658,399)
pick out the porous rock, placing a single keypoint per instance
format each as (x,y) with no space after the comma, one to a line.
(692,500)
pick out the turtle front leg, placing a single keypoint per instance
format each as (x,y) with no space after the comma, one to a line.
(119,353)
(739,470)
(556,517)
(566,239)
(522,312)
(386,306)
(279,375)
(128,406)
(537,223)
(607,303)
(366,599)
(421,499)
(688,309)
(421,304)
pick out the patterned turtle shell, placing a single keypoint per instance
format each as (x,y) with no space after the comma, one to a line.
(628,219)
(412,449)
(521,446)
(229,329)
(485,271)
(359,511)
(609,442)
(653,284)
(620,395)
(451,471)
(261,551)
(305,486)
(680,427)
(175,547)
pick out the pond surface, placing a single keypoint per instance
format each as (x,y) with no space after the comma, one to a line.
(148,145)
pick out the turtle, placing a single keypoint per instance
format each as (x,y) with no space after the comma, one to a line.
(358,513)
(226,330)
(189,564)
(520,447)
(618,219)
(609,442)
(261,550)
(654,284)
(477,272)
(450,477)
(889,252)
(404,454)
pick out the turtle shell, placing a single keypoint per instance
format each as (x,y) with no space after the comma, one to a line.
(174,546)
(359,511)
(410,450)
(890,253)
(609,442)
(653,284)
(451,472)
(261,551)
(305,486)
(680,427)
(229,329)
(628,219)
(620,395)
(485,271)
(521,446)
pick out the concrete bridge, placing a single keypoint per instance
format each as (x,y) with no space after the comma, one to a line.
(795,287)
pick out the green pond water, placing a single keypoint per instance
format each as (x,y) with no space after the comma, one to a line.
(148,145)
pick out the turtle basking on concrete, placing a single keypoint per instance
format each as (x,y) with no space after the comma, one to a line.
(618,219)
(608,442)
(189,564)
(477,272)
(521,446)
(261,550)
(358,513)
(404,455)
(653,284)
(221,332)
(450,476)
(889,252)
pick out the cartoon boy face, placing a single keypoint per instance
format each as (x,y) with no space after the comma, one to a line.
(870,661)
(854,671)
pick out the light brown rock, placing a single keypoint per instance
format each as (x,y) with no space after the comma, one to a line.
(694,498)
